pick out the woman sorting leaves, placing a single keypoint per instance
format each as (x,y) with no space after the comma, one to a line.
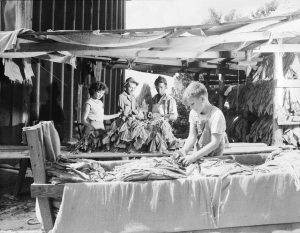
(163,104)
(92,118)
(207,126)
(93,113)
(127,102)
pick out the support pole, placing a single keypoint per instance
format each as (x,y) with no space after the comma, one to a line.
(197,77)
(245,130)
(221,91)
(207,79)
(277,99)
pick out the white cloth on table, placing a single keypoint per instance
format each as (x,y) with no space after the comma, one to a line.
(179,205)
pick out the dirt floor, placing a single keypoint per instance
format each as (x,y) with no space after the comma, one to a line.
(15,212)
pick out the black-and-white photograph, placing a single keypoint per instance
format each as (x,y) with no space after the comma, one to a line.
(151,116)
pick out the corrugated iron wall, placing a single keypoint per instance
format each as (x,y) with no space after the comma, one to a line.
(59,91)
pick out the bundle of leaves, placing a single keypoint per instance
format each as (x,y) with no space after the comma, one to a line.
(154,135)
(88,143)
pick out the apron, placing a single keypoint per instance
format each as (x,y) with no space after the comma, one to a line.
(161,106)
(204,137)
(158,108)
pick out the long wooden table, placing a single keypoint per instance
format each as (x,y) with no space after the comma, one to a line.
(22,153)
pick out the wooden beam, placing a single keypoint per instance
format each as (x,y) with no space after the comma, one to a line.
(277,100)
(221,91)
(289,83)
(207,79)
(168,62)
(14,155)
(228,71)
(21,176)
(47,190)
(38,168)
(283,48)
(13,148)
(134,53)
(216,78)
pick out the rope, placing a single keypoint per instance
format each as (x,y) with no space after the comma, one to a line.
(32,221)
(49,72)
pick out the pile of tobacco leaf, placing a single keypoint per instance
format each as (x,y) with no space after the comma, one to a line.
(131,135)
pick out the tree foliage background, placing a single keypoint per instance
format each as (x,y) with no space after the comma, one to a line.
(145,94)
(181,125)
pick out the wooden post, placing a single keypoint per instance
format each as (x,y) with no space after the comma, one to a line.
(207,78)
(38,168)
(197,77)
(21,176)
(245,130)
(277,99)
(221,91)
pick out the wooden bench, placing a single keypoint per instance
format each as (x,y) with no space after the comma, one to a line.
(20,153)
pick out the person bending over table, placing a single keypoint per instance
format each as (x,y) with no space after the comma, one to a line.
(127,102)
(93,113)
(207,125)
(163,104)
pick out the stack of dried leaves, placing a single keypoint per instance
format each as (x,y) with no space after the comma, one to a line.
(132,135)
(85,170)
(257,97)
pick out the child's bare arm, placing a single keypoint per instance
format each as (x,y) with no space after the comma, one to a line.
(215,141)
(190,141)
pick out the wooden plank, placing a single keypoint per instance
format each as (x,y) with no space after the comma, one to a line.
(271,228)
(21,176)
(282,48)
(169,62)
(134,53)
(234,149)
(278,97)
(13,148)
(14,155)
(244,144)
(38,168)
(291,83)
(96,155)
(288,123)
(47,190)
(247,150)
(221,91)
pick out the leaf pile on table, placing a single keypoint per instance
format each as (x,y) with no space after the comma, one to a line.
(132,135)
(66,170)
(85,170)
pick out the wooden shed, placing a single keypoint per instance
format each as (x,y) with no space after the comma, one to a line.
(57,91)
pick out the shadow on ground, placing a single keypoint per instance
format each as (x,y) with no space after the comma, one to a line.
(15,212)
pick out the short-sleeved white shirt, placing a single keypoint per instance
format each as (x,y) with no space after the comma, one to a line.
(96,112)
(216,120)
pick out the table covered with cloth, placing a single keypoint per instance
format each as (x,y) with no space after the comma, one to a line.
(189,204)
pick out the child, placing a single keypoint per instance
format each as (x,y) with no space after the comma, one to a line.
(207,125)
(93,113)
(162,103)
